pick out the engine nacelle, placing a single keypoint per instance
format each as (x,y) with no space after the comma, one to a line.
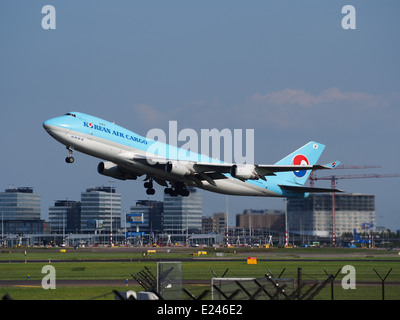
(244,172)
(110,169)
(177,168)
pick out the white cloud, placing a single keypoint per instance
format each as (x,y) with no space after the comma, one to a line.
(284,109)
(148,114)
(305,99)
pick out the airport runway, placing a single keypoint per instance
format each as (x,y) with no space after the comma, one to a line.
(236,259)
(87,283)
(133,283)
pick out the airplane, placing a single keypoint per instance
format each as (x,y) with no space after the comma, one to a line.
(127,156)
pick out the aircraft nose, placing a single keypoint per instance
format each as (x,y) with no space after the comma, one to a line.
(51,127)
(50,124)
(46,125)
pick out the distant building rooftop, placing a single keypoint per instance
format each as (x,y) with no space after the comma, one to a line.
(20,189)
(101,189)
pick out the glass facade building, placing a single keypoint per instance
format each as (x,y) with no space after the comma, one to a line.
(152,215)
(20,211)
(261,220)
(183,214)
(97,205)
(65,216)
(20,204)
(314,215)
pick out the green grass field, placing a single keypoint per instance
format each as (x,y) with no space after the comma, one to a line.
(21,254)
(196,268)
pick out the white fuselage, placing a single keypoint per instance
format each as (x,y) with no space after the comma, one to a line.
(120,154)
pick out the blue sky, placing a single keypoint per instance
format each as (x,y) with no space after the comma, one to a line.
(286,69)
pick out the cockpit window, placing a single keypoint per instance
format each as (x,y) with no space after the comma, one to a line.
(70,114)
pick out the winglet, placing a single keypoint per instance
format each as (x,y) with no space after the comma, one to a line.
(332,165)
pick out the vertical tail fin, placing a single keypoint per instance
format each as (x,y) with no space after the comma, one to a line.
(307,155)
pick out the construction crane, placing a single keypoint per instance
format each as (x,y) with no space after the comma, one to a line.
(339,167)
(334,178)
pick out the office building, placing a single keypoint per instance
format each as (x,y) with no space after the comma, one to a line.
(183,214)
(65,216)
(314,215)
(220,222)
(261,220)
(207,225)
(152,216)
(97,206)
(20,211)
(20,204)
(214,224)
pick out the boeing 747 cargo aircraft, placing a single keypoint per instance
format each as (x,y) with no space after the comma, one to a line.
(127,155)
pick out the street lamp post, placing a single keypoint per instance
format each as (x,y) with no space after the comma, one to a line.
(111,212)
(286,226)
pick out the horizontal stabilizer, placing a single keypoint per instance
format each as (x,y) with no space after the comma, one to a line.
(332,165)
(309,189)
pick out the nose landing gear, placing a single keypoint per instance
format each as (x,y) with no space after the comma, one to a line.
(70,158)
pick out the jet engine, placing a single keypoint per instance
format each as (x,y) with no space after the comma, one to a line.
(111,169)
(244,172)
(177,168)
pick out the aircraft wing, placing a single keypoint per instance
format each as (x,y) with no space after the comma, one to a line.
(263,169)
(269,170)
(308,189)
(203,168)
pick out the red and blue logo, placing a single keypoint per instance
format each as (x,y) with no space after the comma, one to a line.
(300,160)
(88,125)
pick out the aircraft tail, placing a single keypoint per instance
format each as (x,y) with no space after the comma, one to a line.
(306,155)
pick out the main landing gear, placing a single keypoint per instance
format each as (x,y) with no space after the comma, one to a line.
(176,190)
(70,158)
(179,190)
(149,186)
